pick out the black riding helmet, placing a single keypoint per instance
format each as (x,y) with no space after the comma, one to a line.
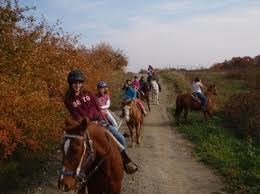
(75,75)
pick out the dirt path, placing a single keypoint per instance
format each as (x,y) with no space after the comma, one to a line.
(166,161)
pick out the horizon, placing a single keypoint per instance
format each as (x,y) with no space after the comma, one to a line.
(185,34)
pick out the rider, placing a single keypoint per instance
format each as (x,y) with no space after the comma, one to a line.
(82,104)
(150,70)
(196,88)
(135,83)
(104,102)
(157,79)
(130,94)
(141,83)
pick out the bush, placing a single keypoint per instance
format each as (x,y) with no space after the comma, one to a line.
(35,59)
(244,109)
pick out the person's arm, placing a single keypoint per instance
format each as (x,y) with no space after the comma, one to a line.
(201,85)
(107,105)
(94,100)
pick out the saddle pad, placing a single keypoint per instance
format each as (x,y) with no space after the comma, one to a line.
(195,97)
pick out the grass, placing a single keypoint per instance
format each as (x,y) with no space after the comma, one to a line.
(236,159)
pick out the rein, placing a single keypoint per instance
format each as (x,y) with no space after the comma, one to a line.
(81,177)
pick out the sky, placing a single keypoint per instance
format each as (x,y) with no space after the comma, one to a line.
(163,33)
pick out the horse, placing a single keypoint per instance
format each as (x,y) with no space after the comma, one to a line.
(91,160)
(155,91)
(134,119)
(144,94)
(187,102)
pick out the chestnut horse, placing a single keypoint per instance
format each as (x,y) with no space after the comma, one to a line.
(144,94)
(134,119)
(186,102)
(91,160)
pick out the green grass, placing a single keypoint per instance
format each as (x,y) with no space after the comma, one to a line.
(177,80)
(237,160)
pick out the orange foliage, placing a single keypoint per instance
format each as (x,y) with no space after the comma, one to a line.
(35,59)
(235,62)
(10,137)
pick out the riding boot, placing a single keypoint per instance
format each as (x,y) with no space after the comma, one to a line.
(129,166)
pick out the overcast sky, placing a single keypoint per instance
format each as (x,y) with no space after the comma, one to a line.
(162,32)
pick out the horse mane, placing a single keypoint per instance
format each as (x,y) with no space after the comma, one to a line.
(209,89)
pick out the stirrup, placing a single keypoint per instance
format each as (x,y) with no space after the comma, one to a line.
(129,169)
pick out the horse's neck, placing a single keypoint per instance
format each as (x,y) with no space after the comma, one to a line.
(209,94)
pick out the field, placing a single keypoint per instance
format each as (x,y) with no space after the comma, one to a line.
(220,142)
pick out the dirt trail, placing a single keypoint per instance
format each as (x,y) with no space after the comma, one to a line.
(166,161)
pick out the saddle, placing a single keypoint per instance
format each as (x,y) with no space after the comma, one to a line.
(195,98)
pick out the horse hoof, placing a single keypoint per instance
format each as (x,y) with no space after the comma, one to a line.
(126,135)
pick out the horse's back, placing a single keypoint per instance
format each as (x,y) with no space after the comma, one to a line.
(183,99)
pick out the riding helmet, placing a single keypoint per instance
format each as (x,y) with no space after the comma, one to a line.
(75,75)
(101,84)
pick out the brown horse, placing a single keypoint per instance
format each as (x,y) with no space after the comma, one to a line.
(134,119)
(186,102)
(144,94)
(91,159)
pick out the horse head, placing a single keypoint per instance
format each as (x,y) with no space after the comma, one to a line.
(212,90)
(78,154)
(126,110)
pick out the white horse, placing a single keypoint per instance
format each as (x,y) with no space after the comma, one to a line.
(155,91)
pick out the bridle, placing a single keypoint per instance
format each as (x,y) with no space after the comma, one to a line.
(80,176)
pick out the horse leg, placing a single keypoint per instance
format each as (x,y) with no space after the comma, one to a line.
(132,137)
(157,97)
(210,114)
(177,114)
(138,135)
(154,101)
(186,114)
(130,127)
(147,100)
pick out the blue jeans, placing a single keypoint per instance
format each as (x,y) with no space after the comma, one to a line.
(203,99)
(117,135)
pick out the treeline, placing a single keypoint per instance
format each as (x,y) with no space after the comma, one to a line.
(35,58)
(237,63)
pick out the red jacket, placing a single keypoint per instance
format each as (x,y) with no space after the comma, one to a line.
(84,105)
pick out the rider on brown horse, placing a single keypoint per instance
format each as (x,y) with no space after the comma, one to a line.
(130,94)
(83,104)
(197,89)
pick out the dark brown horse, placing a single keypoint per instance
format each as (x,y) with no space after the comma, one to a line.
(91,160)
(144,94)
(134,119)
(186,102)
